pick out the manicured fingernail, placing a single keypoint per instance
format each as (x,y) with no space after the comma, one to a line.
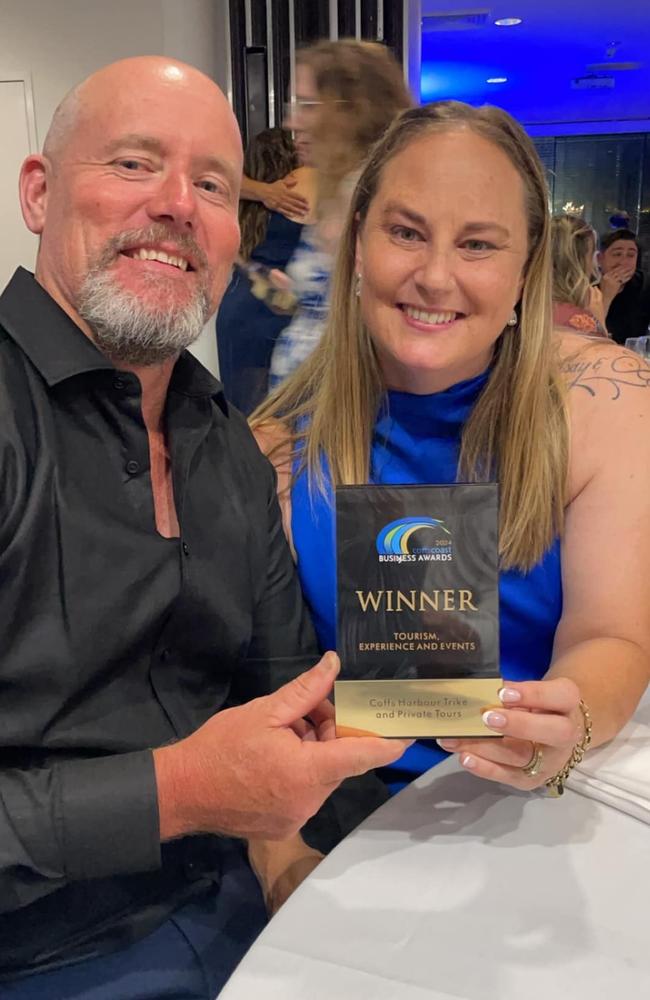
(494,720)
(509,695)
(467,760)
(448,744)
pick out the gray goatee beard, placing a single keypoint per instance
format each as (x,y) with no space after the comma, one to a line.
(125,328)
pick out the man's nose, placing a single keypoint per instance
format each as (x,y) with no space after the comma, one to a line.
(174,201)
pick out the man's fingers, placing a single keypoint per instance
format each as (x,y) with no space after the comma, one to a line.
(350,756)
(322,718)
(304,694)
(303,729)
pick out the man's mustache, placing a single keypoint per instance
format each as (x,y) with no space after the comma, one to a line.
(154,234)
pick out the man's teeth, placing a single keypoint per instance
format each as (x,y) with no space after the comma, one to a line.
(145,254)
(434,318)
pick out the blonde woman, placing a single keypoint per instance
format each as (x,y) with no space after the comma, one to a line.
(347,93)
(439,363)
(577,302)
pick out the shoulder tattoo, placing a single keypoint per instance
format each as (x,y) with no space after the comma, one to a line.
(609,374)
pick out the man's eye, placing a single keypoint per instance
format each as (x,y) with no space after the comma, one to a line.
(212,187)
(130,164)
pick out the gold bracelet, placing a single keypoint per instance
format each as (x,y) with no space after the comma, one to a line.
(555,784)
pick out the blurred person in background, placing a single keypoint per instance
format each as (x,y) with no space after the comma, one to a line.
(625,288)
(577,303)
(279,195)
(348,92)
(252,313)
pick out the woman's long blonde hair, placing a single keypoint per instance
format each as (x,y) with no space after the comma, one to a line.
(518,430)
(572,239)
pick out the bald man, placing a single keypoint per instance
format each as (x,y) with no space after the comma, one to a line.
(147,591)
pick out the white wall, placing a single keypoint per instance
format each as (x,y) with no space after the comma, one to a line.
(60,42)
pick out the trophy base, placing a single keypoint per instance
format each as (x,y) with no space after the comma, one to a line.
(422,709)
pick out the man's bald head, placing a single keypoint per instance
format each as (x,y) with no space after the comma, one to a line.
(81,100)
(63,122)
(135,200)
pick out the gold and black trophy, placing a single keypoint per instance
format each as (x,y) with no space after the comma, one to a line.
(418,610)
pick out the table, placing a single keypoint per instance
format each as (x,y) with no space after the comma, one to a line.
(457,888)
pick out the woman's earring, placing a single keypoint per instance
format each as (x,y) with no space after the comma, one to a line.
(514,319)
(357,285)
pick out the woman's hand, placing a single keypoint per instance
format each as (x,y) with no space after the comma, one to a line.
(280,867)
(279,196)
(544,714)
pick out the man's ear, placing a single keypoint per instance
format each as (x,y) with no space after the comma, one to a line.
(33,188)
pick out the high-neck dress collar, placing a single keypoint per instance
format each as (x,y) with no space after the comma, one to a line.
(440,413)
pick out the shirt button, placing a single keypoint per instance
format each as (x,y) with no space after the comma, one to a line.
(186,549)
(132,467)
(165,654)
(192,871)
(119,383)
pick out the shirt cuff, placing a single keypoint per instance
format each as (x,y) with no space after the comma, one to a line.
(108,815)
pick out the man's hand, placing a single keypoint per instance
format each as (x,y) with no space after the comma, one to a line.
(278,196)
(613,281)
(257,770)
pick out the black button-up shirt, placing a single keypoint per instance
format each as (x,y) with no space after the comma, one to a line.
(115,640)
(629,312)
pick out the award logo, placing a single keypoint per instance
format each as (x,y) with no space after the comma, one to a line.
(432,541)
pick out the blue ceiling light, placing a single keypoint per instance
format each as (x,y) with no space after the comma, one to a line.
(508,22)
(497,79)
(456,64)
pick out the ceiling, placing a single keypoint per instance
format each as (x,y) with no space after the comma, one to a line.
(557,41)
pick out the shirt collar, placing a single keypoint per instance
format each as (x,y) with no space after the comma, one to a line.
(191,378)
(59,350)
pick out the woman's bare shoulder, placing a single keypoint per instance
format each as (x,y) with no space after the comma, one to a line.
(600,370)
(272,436)
(304,175)
(608,400)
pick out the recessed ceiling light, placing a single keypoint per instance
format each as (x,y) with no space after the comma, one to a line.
(508,22)
(497,79)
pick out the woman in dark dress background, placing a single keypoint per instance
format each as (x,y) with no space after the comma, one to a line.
(246,327)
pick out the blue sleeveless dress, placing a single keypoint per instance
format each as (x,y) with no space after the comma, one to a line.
(417,440)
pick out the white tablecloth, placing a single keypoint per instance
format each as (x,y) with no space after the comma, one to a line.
(459,889)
